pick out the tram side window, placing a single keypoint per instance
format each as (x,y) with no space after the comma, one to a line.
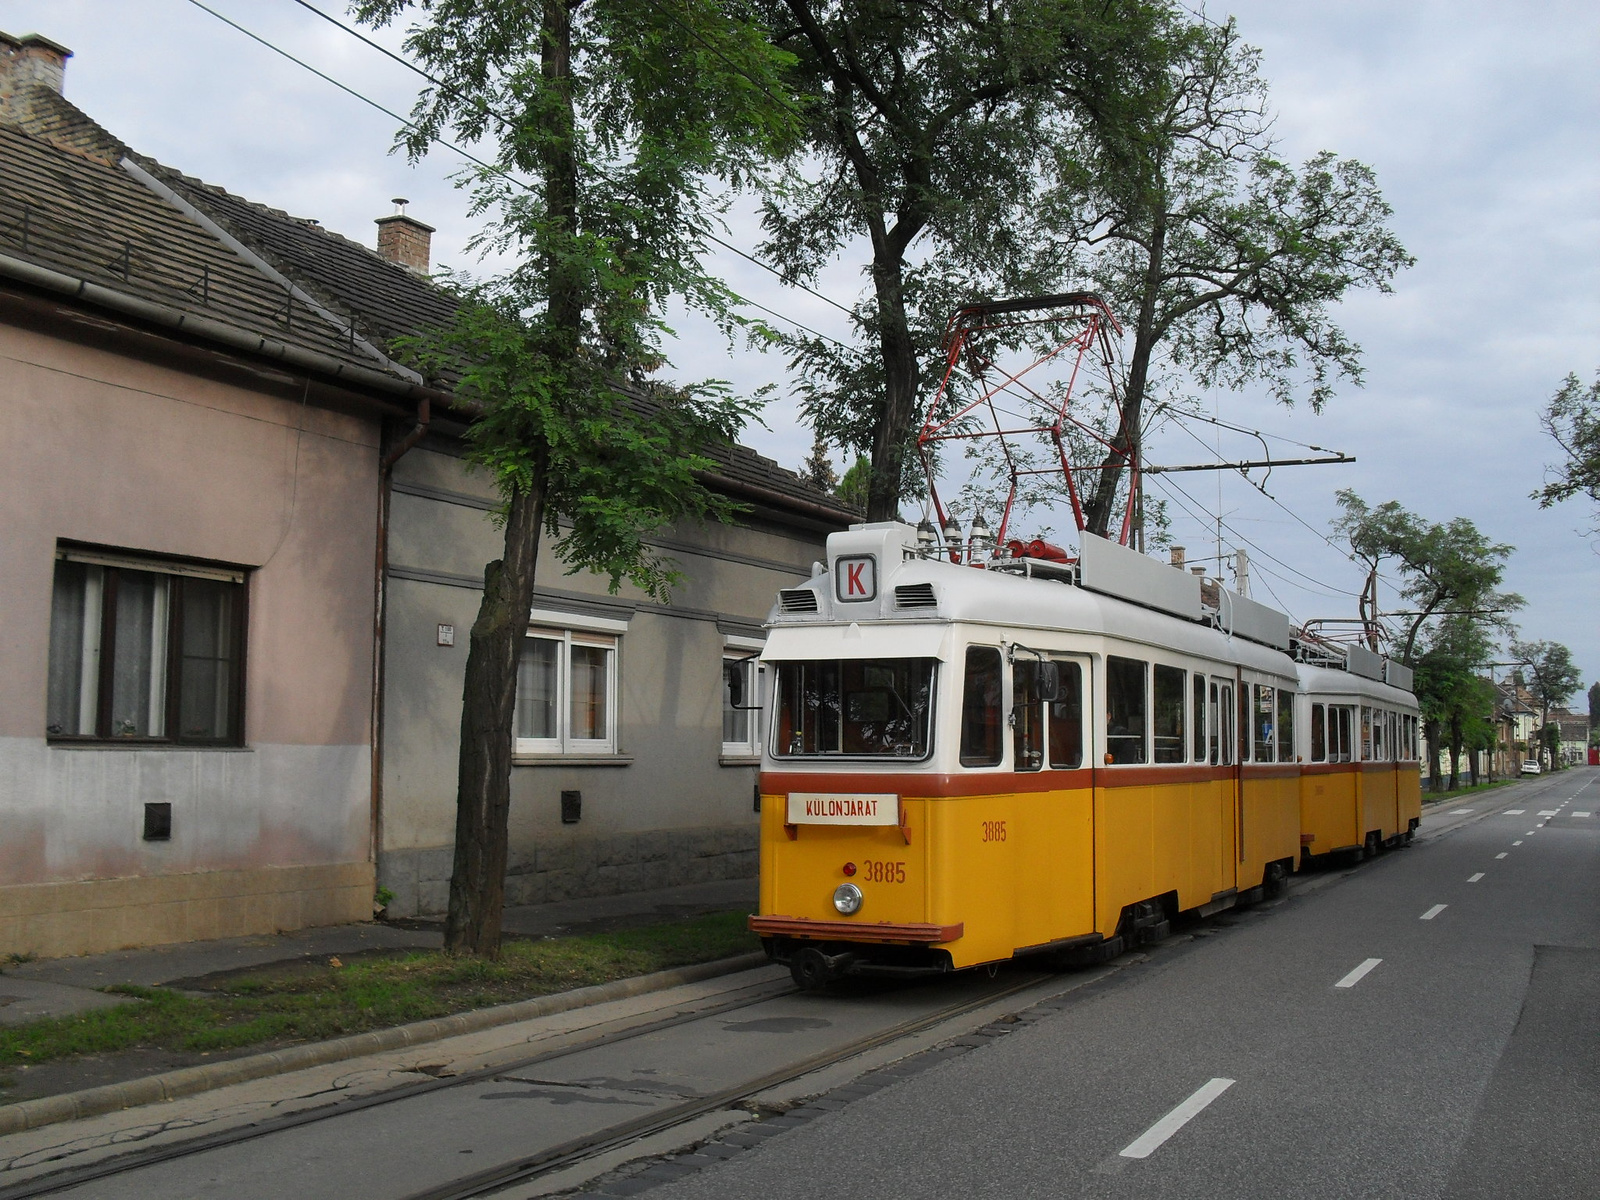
(1066,719)
(1169,714)
(1319,733)
(1263,725)
(1343,712)
(1366,734)
(1244,726)
(1285,725)
(980,708)
(1198,708)
(1027,716)
(1125,710)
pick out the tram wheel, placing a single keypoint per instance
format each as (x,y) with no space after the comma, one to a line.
(1276,881)
(810,969)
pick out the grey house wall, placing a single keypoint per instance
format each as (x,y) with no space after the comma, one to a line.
(667,808)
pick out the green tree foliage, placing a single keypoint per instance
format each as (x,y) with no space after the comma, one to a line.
(818,468)
(1223,260)
(1572,419)
(1551,676)
(927,136)
(1455,699)
(1444,568)
(854,487)
(1594,711)
(1449,574)
(615,122)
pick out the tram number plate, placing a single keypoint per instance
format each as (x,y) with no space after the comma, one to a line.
(877,871)
(994,831)
(844,808)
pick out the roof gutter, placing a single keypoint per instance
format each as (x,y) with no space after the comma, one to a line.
(211,330)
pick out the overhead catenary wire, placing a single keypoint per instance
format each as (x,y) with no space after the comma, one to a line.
(782,276)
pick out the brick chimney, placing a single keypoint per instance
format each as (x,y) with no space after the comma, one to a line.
(28,62)
(405,240)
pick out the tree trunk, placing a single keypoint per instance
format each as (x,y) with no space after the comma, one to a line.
(892,433)
(1125,442)
(488,697)
(483,781)
(1430,735)
(1455,753)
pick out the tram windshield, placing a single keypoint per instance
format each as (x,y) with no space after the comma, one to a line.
(854,708)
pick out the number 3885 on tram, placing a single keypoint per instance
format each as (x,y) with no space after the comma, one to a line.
(971,761)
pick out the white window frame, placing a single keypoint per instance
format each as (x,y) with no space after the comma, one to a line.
(568,630)
(747,651)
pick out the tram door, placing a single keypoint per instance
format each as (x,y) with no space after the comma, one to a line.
(1226,794)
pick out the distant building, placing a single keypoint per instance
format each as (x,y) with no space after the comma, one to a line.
(243,553)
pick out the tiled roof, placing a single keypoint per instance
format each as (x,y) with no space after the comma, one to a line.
(68,205)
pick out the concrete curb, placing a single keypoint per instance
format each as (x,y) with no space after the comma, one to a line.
(112,1097)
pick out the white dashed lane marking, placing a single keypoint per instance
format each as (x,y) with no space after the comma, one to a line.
(1433,912)
(1476,877)
(1515,812)
(1151,1139)
(1460,812)
(1576,813)
(1518,842)
(1502,854)
(1357,975)
(1548,812)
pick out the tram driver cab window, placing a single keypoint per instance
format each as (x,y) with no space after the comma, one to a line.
(1319,735)
(981,722)
(1125,710)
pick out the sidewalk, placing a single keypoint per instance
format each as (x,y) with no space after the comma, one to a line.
(63,986)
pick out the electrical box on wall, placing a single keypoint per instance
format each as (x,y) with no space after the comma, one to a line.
(158,822)
(447,635)
(571,807)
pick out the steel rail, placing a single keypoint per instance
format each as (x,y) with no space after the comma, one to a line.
(71,1177)
(494,1179)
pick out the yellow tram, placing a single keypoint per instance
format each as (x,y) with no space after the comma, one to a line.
(1009,755)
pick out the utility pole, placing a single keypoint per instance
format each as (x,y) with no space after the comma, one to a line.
(1241,573)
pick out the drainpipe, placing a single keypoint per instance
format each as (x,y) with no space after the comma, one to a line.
(379,607)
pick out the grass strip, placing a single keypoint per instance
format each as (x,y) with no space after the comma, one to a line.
(312,1001)
(1465,789)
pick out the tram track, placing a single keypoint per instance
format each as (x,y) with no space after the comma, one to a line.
(526,1170)
(558,1157)
(60,1181)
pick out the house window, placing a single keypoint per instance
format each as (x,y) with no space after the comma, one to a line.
(145,651)
(566,693)
(743,695)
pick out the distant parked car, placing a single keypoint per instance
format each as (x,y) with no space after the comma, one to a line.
(1530,766)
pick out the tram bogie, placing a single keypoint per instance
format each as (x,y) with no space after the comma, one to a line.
(968,766)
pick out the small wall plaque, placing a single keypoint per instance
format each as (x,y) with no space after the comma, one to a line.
(447,635)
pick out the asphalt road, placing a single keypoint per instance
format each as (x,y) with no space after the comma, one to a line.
(1465,1062)
(1424,1025)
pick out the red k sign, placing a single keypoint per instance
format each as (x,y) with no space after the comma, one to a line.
(856,578)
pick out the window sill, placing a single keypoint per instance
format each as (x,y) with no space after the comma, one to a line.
(572,760)
(739,760)
(114,744)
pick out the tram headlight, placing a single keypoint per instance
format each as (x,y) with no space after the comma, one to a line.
(847,898)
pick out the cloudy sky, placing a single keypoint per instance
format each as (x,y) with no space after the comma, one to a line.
(1479,119)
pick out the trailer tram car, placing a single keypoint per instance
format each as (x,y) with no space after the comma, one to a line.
(1360,786)
(1042,756)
